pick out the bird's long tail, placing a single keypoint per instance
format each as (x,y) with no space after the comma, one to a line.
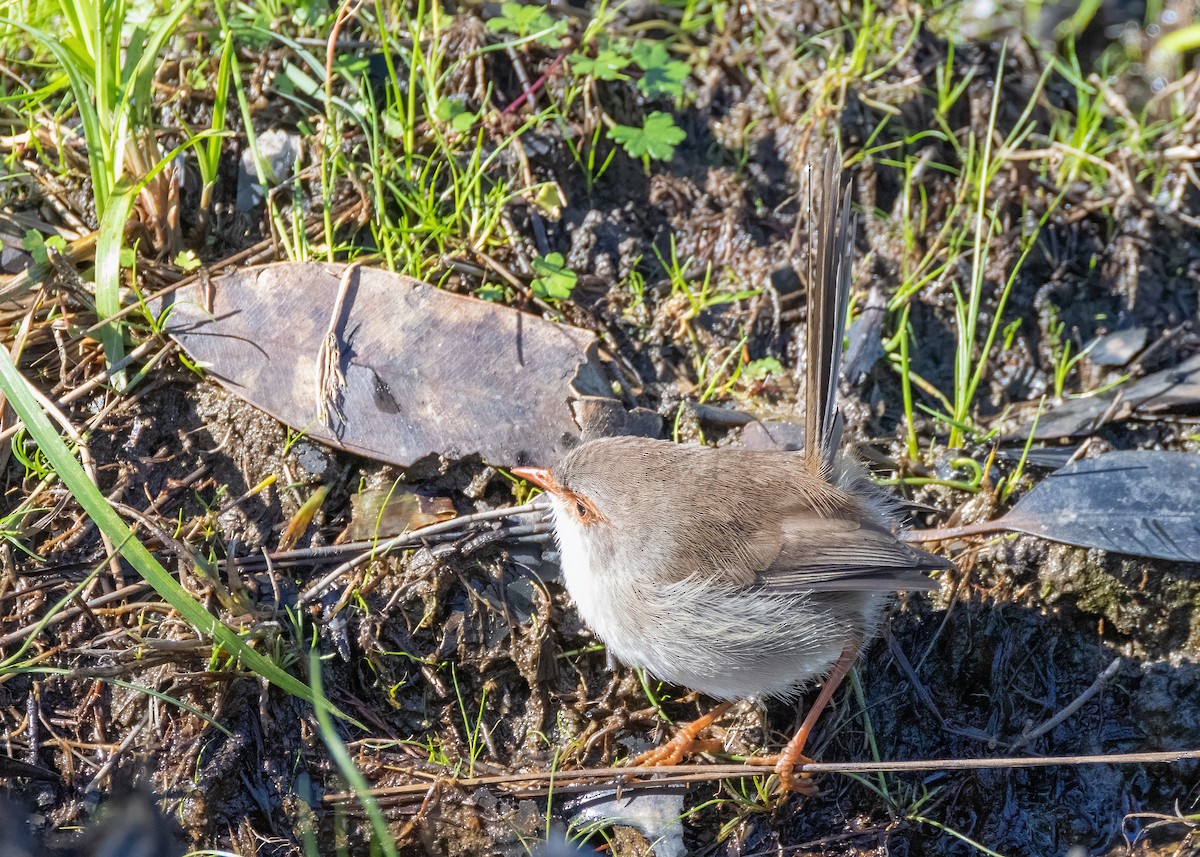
(828,297)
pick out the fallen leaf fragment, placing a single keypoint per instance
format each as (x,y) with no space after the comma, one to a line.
(426,372)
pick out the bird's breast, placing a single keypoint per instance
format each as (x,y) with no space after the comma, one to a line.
(594,588)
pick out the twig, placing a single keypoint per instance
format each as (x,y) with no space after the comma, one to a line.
(94,785)
(411,539)
(1075,705)
(345,11)
(941,534)
(531,91)
(331,381)
(65,615)
(633,778)
(100,378)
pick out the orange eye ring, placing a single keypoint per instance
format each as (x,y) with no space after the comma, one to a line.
(584,508)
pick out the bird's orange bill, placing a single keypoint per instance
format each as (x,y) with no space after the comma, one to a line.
(539,476)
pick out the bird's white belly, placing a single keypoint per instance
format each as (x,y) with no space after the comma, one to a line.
(729,645)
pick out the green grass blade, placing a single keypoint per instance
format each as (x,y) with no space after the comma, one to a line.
(345,763)
(108,275)
(89,117)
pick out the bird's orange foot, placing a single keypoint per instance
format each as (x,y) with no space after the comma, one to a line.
(785,765)
(686,742)
(785,769)
(674,752)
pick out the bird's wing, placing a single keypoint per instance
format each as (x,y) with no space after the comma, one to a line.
(835,555)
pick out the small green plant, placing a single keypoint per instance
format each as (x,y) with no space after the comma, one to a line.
(601,57)
(1064,361)
(721,380)
(474,730)
(554,280)
(756,370)
(13,530)
(635,281)
(971,236)
(30,456)
(455,114)
(657,138)
(528,22)
(208,155)
(110,74)
(428,161)
(381,842)
(585,151)
(489,291)
(39,246)
(608,64)
(661,75)
(701,297)
(1009,482)
(522,491)
(187,260)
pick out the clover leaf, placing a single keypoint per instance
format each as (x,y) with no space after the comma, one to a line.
(456,114)
(554,279)
(526,20)
(761,368)
(493,292)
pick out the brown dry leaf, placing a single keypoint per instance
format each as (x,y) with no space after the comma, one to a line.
(426,372)
(383,512)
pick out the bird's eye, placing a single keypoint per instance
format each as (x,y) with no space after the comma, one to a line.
(582,510)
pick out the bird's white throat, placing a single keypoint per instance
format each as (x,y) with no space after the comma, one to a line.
(592,595)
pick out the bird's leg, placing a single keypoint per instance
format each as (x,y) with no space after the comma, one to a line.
(793,754)
(685,742)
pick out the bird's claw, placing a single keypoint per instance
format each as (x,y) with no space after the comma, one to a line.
(674,751)
(685,742)
(789,781)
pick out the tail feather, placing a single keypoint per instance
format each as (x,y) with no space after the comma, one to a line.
(828,299)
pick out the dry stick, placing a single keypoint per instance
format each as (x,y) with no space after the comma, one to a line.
(330,553)
(440,532)
(345,10)
(1075,705)
(330,378)
(412,539)
(522,76)
(530,93)
(106,768)
(65,615)
(632,778)
(181,550)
